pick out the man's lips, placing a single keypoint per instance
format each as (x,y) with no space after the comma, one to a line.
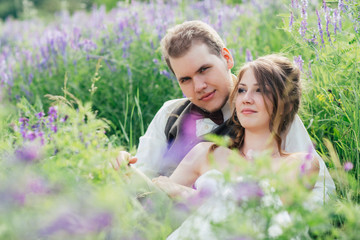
(207,96)
(248,111)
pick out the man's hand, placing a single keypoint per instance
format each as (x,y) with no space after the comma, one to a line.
(123,159)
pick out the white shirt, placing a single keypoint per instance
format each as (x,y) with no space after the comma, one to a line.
(153,144)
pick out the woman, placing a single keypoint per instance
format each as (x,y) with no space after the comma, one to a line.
(266,98)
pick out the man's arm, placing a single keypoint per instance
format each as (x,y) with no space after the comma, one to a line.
(153,144)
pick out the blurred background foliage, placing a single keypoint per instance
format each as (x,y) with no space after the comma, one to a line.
(21,8)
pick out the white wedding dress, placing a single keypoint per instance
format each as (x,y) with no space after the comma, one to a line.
(215,209)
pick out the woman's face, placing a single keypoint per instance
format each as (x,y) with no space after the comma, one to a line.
(250,105)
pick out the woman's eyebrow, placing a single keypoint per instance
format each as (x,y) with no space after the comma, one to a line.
(243,84)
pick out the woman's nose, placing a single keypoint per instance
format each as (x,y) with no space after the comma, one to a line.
(248,98)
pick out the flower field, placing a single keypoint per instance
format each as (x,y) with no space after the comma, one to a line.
(76,89)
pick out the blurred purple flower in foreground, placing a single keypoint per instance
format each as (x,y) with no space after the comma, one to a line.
(245,191)
(28,153)
(71,223)
(348,166)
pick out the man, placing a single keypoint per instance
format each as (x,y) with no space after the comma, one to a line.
(201,63)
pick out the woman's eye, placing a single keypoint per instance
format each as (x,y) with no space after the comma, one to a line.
(241,90)
(258,90)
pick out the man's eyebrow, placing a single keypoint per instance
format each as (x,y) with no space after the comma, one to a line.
(202,66)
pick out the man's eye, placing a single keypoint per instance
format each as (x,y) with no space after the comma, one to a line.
(241,90)
(183,80)
(203,69)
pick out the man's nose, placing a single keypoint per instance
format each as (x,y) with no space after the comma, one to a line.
(199,83)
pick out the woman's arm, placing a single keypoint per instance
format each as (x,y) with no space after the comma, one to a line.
(180,183)
(192,166)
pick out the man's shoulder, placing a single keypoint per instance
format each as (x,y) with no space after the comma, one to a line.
(171,105)
(175,102)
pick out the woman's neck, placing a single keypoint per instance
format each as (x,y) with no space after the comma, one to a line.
(258,141)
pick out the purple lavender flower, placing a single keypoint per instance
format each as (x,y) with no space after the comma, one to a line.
(245,191)
(36,185)
(339,21)
(53,128)
(303,25)
(64,118)
(299,62)
(19,198)
(99,221)
(30,135)
(341,6)
(87,45)
(335,17)
(77,224)
(30,78)
(294,4)
(248,57)
(309,70)
(165,73)
(348,166)
(23,121)
(53,112)
(28,153)
(327,19)
(291,20)
(320,28)
(156,61)
(40,115)
(129,72)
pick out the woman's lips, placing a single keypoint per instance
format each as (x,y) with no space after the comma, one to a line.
(248,111)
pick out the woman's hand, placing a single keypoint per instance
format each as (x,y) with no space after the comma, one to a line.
(174,190)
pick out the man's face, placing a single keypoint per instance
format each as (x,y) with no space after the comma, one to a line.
(204,77)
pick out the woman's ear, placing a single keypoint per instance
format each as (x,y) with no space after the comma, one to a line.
(228,57)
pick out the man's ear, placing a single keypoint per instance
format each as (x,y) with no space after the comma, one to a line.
(228,57)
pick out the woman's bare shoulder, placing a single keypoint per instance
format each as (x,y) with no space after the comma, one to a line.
(305,160)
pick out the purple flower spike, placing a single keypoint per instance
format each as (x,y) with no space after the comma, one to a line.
(53,128)
(291,20)
(348,166)
(28,153)
(64,118)
(23,121)
(294,4)
(30,135)
(40,115)
(52,111)
(165,73)
(299,62)
(320,28)
(249,57)
(341,6)
(100,221)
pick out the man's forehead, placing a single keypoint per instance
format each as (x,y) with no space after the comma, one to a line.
(195,58)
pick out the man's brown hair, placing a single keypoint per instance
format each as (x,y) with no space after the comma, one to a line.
(179,39)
